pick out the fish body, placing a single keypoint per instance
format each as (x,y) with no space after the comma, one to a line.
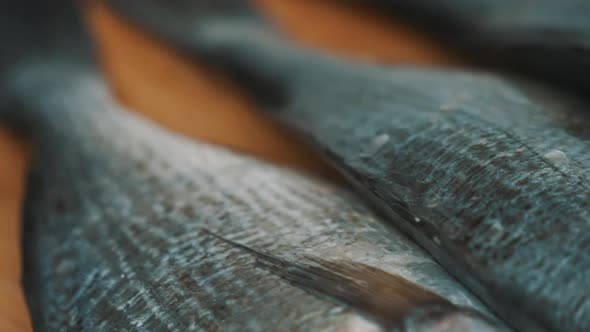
(131,228)
(128,227)
(489,173)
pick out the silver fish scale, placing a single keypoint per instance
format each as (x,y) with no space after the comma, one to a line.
(477,160)
(133,300)
(489,173)
(121,215)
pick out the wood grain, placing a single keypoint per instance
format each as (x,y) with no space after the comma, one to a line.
(161,84)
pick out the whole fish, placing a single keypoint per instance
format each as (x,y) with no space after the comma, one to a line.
(546,38)
(131,228)
(489,173)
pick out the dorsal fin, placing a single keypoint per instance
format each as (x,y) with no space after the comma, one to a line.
(385,298)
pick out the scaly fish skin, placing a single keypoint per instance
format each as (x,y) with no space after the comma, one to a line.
(128,227)
(489,173)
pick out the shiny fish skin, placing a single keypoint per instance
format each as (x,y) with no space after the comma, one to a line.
(128,228)
(490,174)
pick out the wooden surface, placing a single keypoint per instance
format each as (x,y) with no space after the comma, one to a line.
(166,87)
(13,313)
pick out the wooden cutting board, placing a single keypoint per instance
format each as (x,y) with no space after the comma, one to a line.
(167,87)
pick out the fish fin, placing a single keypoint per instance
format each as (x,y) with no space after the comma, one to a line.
(379,295)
